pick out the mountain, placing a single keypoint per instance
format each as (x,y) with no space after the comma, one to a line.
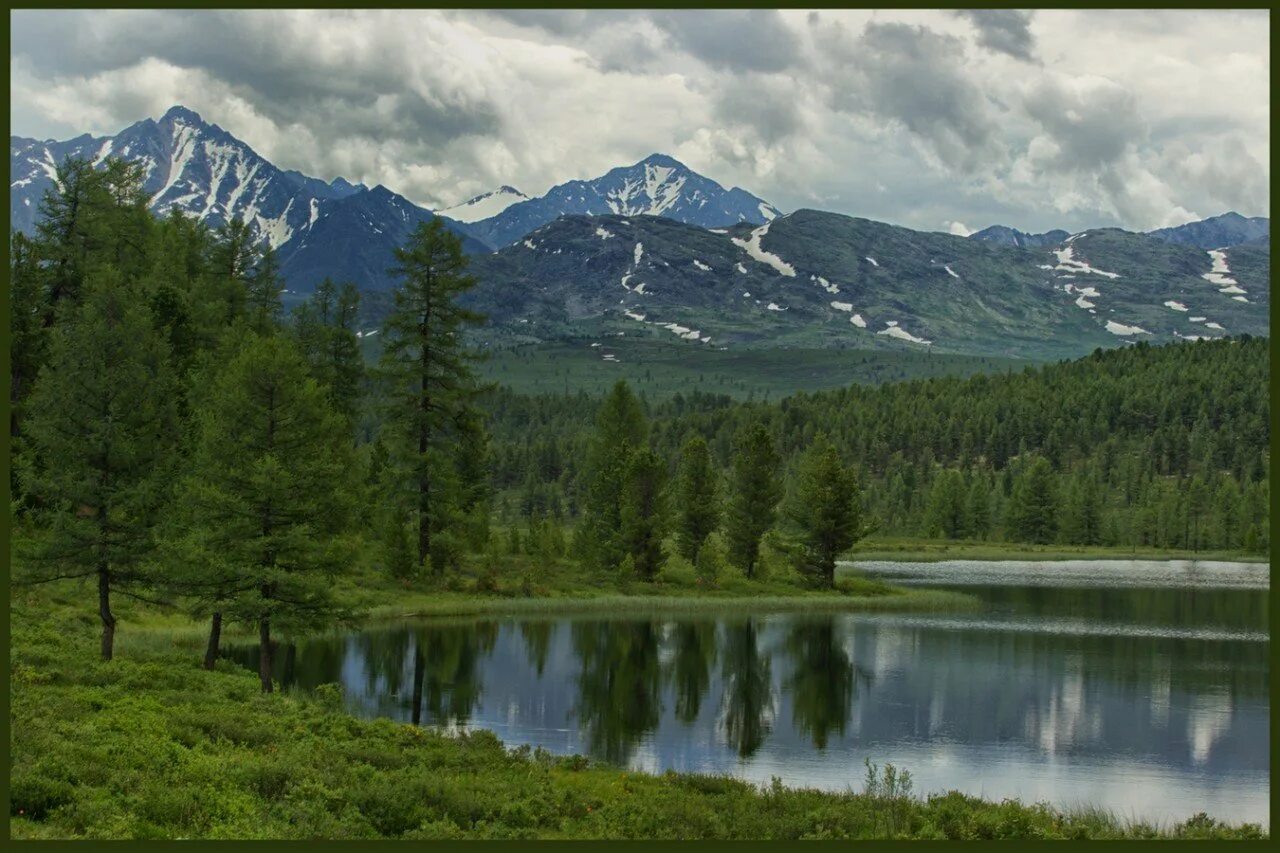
(1217,232)
(206,172)
(353,238)
(485,205)
(821,279)
(1003,235)
(656,186)
(657,250)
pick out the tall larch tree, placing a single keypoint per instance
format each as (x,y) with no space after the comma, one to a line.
(431,387)
(620,431)
(754,492)
(697,498)
(268,497)
(826,509)
(102,422)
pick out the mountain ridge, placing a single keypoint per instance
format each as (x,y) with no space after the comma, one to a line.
(657,185)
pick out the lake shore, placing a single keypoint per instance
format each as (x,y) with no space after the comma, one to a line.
(151,746)
(934,550)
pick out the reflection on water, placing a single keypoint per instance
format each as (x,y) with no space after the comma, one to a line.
(1150,700)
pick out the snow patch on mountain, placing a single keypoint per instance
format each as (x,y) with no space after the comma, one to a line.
(484,205)
(824,284)
(893,330)
(1121,329)
(1176,306)
(1067,261)
(753,248)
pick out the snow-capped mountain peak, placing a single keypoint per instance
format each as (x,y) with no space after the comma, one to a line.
(320,228)
(484,205)
(658,185)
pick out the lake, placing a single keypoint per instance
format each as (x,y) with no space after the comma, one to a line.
(1139,686)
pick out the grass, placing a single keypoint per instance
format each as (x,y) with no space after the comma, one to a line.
(927,550)
(151,746)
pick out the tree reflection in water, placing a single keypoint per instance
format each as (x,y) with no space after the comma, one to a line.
(619,685)
(823,679)
(747,706)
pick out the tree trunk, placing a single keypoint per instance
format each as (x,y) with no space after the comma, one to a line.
(104,611)
(264,654)
(418,668)
(215,635)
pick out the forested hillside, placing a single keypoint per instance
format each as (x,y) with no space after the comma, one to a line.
(1162,446)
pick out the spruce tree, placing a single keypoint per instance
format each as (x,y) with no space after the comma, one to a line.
(267,497)
(28,338)
(431,388)
(826,508)
(326,329)
(263,286)
(946,514)
(102,423)
(642,514)
(620,431)
(1032,515)
(697,498)
(754,492)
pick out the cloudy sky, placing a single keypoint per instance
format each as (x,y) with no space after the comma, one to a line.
(935,120)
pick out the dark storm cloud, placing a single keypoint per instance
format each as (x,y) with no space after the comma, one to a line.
(1092,125)
(287,77)
(770,105)
(915,76)
(739,40)
(1004,30)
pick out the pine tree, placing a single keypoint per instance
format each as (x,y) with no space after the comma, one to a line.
(1032,515)
(753,497)
(263,286)
(326,329)
(28,338)
(826,508)
(431,386)
(945,514)
(697,498)
(232,258)
(103,427)
(642,515)
(267,497)
(620,431)
(978,508)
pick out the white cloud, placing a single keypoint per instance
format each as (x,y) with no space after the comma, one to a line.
(1052,119)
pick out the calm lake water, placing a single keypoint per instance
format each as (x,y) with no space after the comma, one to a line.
(1140,686)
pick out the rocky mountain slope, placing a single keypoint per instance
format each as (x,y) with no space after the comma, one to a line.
(1216,232)
(821,279)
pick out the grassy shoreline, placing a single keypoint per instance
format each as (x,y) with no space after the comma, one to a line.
(912,600)
(936,550)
